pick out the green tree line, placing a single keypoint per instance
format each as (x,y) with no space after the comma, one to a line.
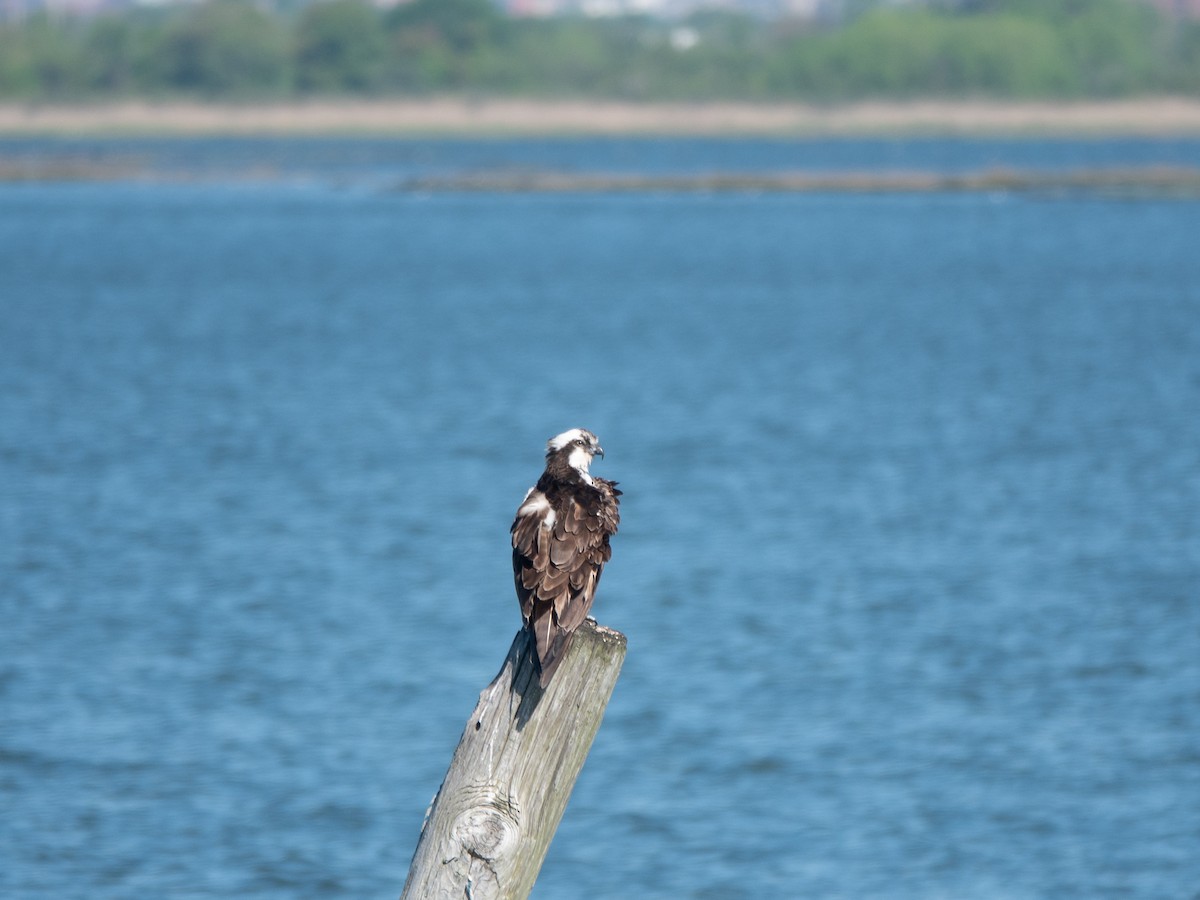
(235,49)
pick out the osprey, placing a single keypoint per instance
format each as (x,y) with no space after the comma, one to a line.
(560,544)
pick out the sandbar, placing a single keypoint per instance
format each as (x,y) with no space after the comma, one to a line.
(473,117)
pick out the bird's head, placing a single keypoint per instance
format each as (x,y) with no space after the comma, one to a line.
(576,447)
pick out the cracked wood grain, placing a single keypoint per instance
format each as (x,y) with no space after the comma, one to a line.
(489,827)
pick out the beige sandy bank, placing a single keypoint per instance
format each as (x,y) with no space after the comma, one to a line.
(457,116)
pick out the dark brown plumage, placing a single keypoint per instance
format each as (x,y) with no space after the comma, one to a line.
(560,541)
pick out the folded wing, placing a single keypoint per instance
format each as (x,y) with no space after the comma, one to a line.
(560,544)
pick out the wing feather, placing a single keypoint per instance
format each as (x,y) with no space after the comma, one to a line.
(560,541)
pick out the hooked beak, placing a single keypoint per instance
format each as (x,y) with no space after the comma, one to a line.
(599,451)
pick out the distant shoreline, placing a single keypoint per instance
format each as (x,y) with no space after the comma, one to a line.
(464,117)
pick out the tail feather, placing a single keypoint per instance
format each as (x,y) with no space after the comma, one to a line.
(549,655)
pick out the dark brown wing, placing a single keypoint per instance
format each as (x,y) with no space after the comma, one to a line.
(560,544)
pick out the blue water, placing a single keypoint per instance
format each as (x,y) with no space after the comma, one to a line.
(910,548)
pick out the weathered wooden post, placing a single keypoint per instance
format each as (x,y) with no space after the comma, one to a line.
(491,823)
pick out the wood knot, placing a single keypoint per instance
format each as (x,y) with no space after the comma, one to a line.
(488,831)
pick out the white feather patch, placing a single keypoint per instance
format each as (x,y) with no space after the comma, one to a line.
(561,440)
(579,460)
(536,504)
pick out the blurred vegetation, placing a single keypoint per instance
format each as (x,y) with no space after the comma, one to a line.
(233,49)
